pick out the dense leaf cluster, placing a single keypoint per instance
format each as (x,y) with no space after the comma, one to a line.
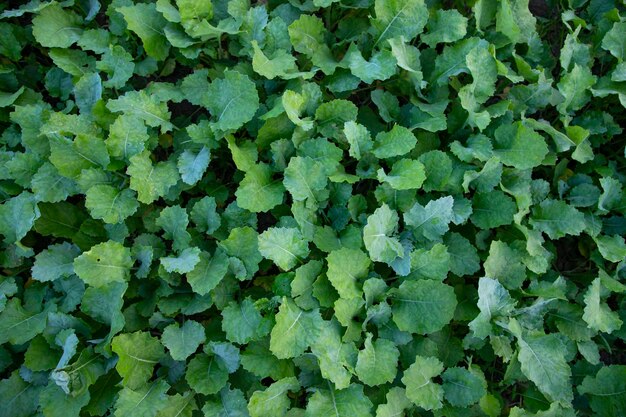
(312,208)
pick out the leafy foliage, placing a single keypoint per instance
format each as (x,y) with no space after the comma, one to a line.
(311,208)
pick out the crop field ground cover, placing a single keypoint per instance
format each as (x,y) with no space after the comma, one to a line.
(312,208)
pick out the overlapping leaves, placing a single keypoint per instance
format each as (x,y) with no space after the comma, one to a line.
(312,208)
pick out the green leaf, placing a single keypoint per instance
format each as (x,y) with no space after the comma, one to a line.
(183,263)
(438,170)
(232,100)
(519,146)
(229,403)
(302,284)
(192,166)
(420,388)
(381,66)
(493,301)
(127,137)
(17,216)
(243,243)
(387,104)
(464,258)
(281,64)
(258,192)
(258,360)
(446,26)
(307,37)
(606,390)
(294,331)
(377,362)
(430,264)
(483,67)
(104,263)
(111,204)
(377,235)
(183,341)
(306,34)
(408,58)
(477,146)
(424,306)
(148,24)
(242,322)
(138,354)
(346,269)
(87,91)
(20,395)
(55,262)
(39,356)
(179,405)
(336,359)
(285,246)
(19,325)
(504,263)
(174,221)
(143,401)
(398,141)
(208,272)
(515,21)
(204,215)
(396,18)
(118,64)
(485,179)
(397,403)
(294,104)
(226,353)
(332,116)
(274,399)
(613,41)
(304,177)
(203,201)
(430,222)
(244,155)
(71,157)
(206,374)
(542,360)
(492,209)
(405,174)
(612,248)
(104,304)
(611,194)
(56,403)
(95,40)
(462,387)
(340,403)
(50,186)
(453,60)
(359,139)
(575,86)
(143,106)
(55,27)
(194,9)
(598,314)
(557,219)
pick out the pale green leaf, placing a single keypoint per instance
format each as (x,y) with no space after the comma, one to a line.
(294,331)
(138,354)
(423,306)
(378,235)
(104,263)
(148,24)
(377,362)
(183,341)
(420,388)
